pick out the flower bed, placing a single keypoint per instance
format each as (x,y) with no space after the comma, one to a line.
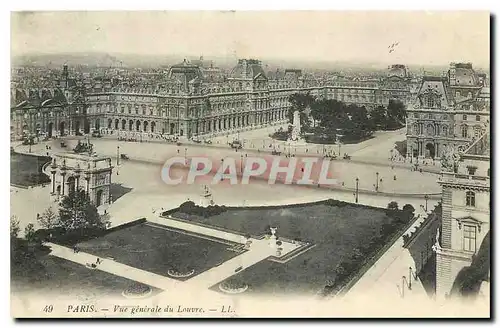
(233,287)
(137,291)
(179,274)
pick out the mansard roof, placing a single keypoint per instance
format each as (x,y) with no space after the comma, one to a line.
(437,86)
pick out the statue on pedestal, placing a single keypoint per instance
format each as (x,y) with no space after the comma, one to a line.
(296,131)
(272,239)
(450,159)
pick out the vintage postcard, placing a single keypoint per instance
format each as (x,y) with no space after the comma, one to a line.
(237,164)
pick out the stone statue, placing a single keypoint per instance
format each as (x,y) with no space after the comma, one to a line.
(296,126)
(436,246)
(450,159)
(273,232)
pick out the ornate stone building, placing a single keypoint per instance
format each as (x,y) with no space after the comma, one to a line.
(187,101)
(72,172)
(52,111)
(466,212)
(447,112)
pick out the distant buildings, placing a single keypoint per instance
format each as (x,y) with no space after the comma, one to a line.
(190,99)
(447,112)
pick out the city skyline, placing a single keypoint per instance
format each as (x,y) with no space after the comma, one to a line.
(360,36)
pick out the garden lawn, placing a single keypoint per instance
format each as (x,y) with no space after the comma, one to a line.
(338,232)
(157,250)
(26,170)
(53,275)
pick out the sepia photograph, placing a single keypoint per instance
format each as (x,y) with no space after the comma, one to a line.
(250,164)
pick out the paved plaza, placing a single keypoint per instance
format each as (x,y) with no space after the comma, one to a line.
(143,194)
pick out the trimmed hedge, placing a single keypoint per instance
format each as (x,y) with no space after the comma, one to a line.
(68,238)
(190,208)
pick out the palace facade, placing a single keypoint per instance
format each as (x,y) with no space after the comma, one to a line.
(466,213)
(189,101)
(448,112)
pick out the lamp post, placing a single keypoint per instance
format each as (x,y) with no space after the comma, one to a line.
(357,189)
(241,163)
(426,199)
(222,166)
(376,186)
(117,155)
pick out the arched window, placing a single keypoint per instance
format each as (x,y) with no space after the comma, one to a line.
(464,131)
(444,130)
(470,198)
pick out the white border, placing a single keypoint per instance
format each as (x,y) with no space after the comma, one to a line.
(190,5)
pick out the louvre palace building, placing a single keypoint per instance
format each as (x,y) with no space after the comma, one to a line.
(448,113)
(187,100)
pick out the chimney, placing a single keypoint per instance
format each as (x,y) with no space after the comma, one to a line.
(65,75)
(244,65)
(452,74)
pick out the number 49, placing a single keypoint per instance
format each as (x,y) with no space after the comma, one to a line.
(48,308)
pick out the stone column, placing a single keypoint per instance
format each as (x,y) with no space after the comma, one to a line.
(63,174)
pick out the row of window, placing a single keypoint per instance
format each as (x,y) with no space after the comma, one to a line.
(478,118)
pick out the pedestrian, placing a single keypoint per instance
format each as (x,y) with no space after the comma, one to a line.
(394,177)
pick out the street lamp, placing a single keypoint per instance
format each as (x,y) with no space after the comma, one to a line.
(376,187)
(241,163)
(357,189)
(426,199)
(117,155)
(222,167)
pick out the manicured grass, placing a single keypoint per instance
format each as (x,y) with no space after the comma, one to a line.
(26,170)
(337,231)
(157,250)
(52,274)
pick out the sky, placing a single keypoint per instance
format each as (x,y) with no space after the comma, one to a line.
(427,38)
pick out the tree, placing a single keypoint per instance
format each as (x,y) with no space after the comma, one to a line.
(48,219)
(29,233)
(14,227)
(379,117)
(78,212)
(409,208)
(392,206)
(396,111)
(300,102)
